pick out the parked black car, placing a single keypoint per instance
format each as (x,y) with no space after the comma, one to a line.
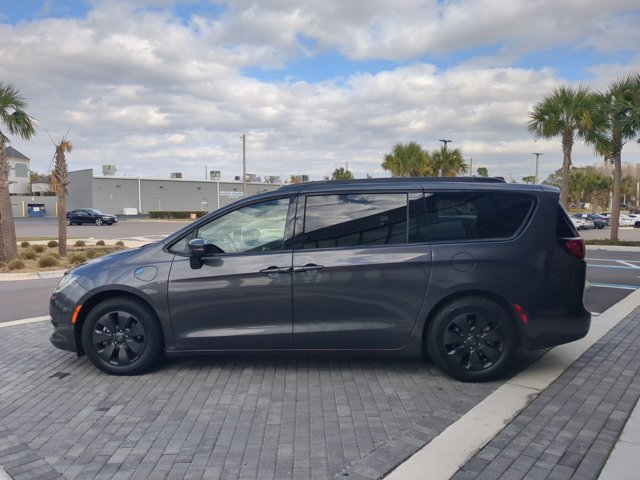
(90,215)
(466,270)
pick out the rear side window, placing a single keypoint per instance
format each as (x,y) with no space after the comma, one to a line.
(350,220)
(476,215)
(564,226)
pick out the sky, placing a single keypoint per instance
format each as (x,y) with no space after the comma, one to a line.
(161,86)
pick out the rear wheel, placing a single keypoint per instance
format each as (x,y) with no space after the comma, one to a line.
(122,336)
(99,221)
(472,339)
(69,222)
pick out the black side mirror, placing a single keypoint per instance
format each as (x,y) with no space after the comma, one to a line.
(197,250)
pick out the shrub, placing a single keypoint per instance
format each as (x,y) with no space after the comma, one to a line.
(25,244)
(38,248)
(77,258)
(55,254)
(28,254)
(90,253)
(80,243)
(100,243)
(3,265)
(120,243)
(16,264)
(175,214)
(48,261)
(52,244)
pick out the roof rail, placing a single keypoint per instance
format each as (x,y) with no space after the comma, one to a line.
(365,181)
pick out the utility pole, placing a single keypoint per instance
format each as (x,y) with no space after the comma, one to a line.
(244,166)
(471,166)
(537,154)
(445,142)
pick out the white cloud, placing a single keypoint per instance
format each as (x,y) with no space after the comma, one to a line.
(154,94)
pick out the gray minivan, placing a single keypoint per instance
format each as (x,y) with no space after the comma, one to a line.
(465,270)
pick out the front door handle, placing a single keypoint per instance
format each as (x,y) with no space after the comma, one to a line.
(272,270)
(309,267)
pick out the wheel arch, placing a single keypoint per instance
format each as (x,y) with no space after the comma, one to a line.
(98,298)
(442,303)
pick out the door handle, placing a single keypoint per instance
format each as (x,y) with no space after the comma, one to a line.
(272,270)
(309,267)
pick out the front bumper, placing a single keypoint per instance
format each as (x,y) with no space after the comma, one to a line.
(61,307)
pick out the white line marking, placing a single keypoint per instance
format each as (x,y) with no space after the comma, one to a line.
(24,321)
(627,264)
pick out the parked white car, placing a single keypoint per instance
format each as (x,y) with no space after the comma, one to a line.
(626,221)
(582,223)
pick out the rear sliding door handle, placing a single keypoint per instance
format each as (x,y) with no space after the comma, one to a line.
(272,270)
(309,267)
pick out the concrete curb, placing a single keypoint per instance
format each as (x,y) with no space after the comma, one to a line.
(10,277)
(613,248)
(450,450)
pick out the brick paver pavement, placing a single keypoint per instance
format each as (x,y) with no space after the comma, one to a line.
(246,417)
(568,431)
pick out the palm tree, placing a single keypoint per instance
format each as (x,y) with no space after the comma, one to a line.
(616,122)
(17,122)
(59,182)
(566,113)
(448,163)
(408,160)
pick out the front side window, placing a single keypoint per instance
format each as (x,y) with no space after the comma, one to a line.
(476,215)
(349,220)
(255,228)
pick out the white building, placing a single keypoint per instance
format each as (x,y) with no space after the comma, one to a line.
(19,180)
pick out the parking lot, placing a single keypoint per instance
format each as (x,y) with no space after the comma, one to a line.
(234,416)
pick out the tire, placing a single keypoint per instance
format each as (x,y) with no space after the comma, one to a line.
(472,339)
(69,222)
(122,336)
(99,221)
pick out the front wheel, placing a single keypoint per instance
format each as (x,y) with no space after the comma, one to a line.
(472,339)
(122,336)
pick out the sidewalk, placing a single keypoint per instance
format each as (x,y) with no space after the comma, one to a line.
(569,428)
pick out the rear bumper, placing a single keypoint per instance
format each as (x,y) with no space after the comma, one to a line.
(556,329)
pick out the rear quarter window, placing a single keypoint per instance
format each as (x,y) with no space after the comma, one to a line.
(476,215)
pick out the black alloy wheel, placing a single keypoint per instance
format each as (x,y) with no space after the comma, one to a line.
(472,339)
(122,337)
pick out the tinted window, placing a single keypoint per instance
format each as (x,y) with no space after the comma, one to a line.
(475,215)
(359,219)
(255,228)
(564,227)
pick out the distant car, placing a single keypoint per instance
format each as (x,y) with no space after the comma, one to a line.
(597,222)
(606,221)
(582,223)
(626,221)
(90,215)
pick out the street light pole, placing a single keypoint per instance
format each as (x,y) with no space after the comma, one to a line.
(244,166)
(471,166)
(445,142)
(537,154)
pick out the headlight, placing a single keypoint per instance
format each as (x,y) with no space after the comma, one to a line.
(65,282)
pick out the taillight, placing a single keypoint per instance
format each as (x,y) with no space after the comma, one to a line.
(575,247)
